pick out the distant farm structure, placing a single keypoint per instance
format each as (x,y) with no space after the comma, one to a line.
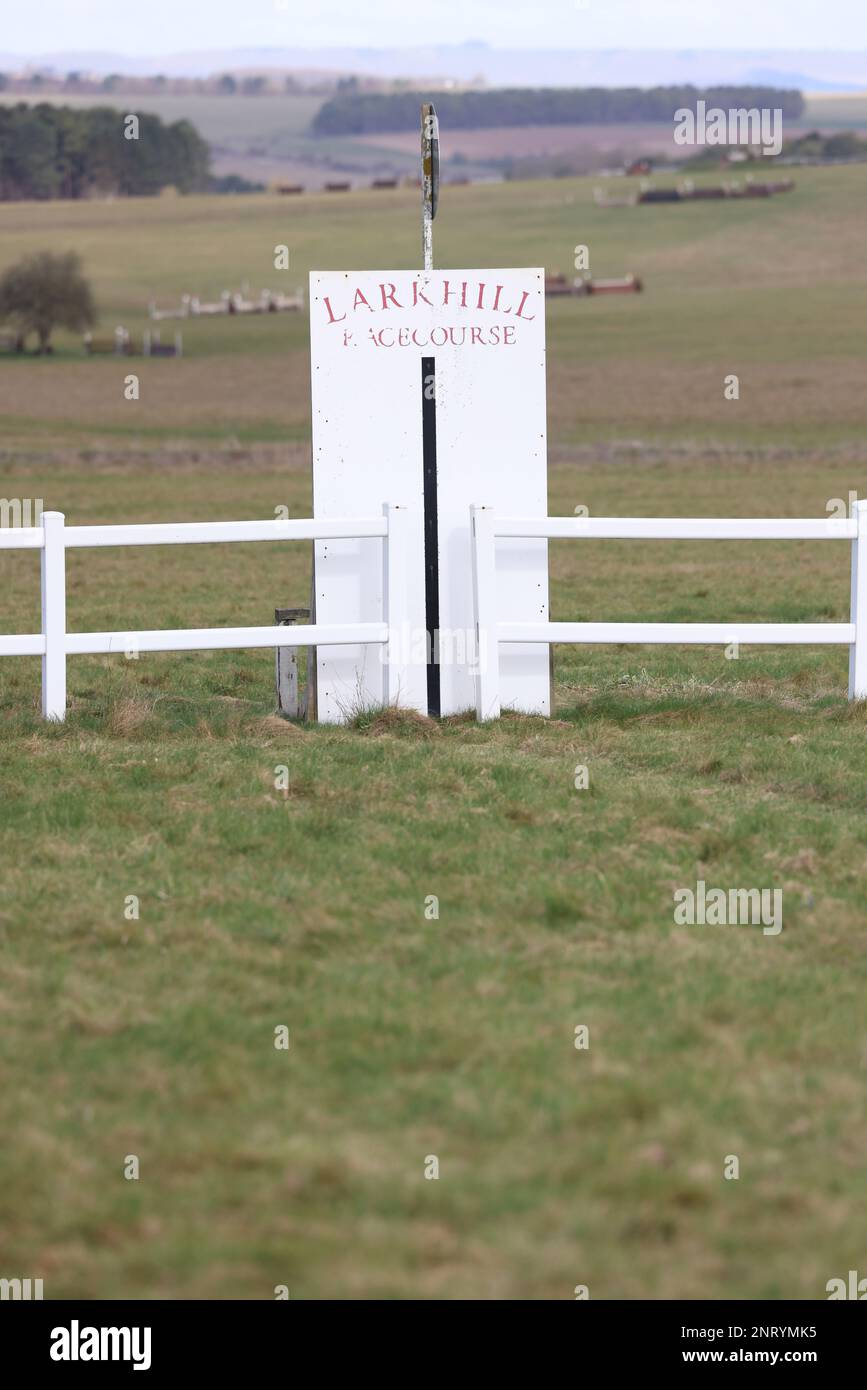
(122,344)
(379,183)
(688,192)
(558,286)
(230,302)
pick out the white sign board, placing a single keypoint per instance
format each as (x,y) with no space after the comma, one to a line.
(429,391)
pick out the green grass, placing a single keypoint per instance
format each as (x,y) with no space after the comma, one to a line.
(454,1037)
(304,906)
(843,110)
(411,1037)
(773,290)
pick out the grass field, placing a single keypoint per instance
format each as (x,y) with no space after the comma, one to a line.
(773,290)
(262,907)
(844,110)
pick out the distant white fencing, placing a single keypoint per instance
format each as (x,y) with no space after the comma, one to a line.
(487,528)
(53,538)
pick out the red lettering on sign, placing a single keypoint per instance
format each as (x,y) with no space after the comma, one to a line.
(452,297)
(447,293)
(524,297)
(390,297)
(331,318)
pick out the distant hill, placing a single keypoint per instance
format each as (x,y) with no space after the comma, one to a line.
(809,70)
(772,77)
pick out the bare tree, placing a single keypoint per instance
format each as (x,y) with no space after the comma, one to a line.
(44,292)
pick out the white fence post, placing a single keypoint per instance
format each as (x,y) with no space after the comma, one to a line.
(54,616)
(395,565)
(485,612)
(858,649)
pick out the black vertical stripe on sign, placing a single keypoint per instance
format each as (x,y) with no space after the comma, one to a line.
(431,531)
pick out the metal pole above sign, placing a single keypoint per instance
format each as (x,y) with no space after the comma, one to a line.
(430,178)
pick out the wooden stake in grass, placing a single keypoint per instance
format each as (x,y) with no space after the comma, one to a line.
(289,701)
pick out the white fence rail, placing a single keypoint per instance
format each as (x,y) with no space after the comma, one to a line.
(54,644)
(487,528)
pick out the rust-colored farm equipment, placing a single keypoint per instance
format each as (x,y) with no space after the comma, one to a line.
(558,286)
(688,192)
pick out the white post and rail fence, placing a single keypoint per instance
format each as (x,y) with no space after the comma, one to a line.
(54,643)
(491,631)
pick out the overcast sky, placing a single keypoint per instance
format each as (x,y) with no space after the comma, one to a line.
(144,27)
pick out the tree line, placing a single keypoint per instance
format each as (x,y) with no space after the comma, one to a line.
(51,151)
(39,84)
(364,113)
